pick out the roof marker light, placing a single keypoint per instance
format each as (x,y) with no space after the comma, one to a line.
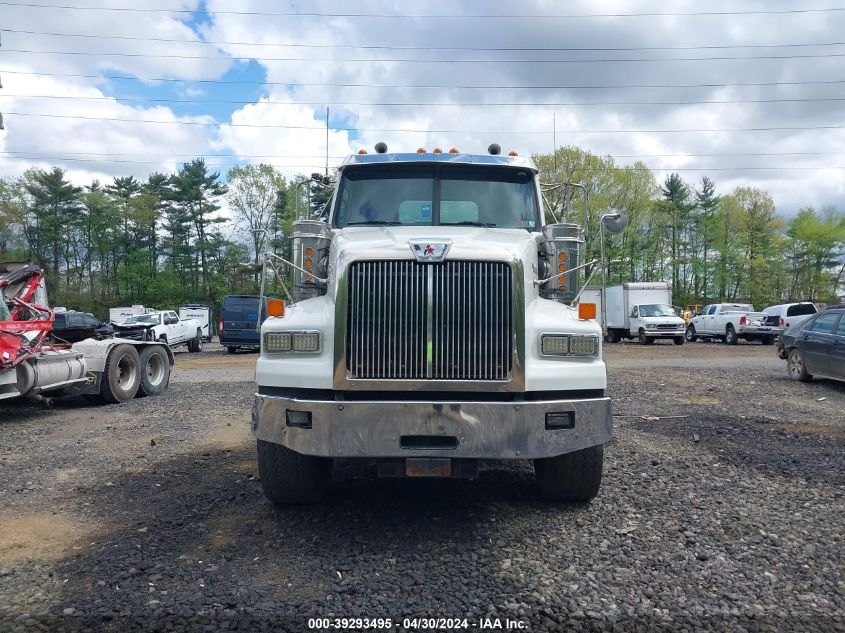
(421,150)
(454,150)
(512,153)
(362,152)
(437,150)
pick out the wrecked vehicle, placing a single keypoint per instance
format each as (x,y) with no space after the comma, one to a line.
(165,327)
(34,365)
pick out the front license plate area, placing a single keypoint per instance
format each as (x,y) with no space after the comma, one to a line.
(428,467)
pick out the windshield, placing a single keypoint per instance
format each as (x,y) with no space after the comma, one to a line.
(441,195)
(143,318)
(657,310)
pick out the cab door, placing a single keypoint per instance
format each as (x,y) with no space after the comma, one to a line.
(175,332)
(817,343)
(837,352)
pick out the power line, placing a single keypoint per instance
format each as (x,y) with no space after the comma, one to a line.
(314,166)
(409,60)
(431,86)
(425,48)
(431,15)
(413,131)
(473,104)
(321,156)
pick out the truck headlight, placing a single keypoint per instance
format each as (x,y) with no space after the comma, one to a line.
(306,342)
(651,326)
(568,345)
(553,345)
(278,342)
(583,345)
(284,342)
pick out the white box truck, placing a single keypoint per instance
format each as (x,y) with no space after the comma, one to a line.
(120,314)
(201,313)
(642,311)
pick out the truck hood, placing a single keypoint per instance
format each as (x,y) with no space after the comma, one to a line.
(392,242)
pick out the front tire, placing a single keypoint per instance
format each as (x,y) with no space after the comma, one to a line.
(678,340)
(288,477)
(797,368)
(231,349)
(155,371)
(122,374)
(614,336)
(730,336)
(645,340)
(571,477)
(690,334)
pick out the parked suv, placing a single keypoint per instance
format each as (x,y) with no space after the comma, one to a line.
(816,347)
(789,314)
(239,322)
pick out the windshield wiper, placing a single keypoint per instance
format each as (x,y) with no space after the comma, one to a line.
(374,223)
(467,223)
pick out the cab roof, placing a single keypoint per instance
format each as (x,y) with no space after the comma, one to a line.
(524,162)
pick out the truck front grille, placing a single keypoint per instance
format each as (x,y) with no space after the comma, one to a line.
(413,321)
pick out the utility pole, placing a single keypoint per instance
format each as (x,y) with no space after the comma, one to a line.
(327,140)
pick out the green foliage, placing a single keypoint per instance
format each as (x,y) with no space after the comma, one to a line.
(160,242)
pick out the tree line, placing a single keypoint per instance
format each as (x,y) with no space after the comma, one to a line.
(190,236)
(713,247)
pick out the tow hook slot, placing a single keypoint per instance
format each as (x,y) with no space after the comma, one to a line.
(428,442)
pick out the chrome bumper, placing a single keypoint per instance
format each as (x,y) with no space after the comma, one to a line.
(665,333)
(486,430)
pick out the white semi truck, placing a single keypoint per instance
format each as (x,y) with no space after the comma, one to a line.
(435,324)
(642,311)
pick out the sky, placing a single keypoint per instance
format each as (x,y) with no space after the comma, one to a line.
(106,93)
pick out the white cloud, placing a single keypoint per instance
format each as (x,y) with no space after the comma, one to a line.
(790,188)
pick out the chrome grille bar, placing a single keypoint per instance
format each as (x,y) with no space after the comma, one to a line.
(413,321)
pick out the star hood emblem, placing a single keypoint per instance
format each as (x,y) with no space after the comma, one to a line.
(430,251)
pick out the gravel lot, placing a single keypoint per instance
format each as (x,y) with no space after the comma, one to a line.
(149,515)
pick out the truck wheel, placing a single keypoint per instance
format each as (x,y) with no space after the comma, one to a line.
(122,374)
(614,336)
(155,371)
(678,340)
(195,344)
(163,339)
(645,340)
(231,349)
(767,340)
(797,368)
(690,334)
(288,477)
(571,477)
(730,336)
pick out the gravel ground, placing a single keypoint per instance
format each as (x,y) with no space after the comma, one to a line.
(721,509)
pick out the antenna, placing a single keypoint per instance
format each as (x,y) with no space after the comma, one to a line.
(327,140)
(554,140)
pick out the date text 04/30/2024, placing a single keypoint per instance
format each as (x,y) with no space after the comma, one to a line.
(418,624)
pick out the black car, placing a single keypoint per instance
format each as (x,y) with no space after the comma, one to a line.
(816,347)
(71,327)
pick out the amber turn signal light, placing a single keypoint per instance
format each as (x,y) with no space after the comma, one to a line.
(276,307)
(586,311)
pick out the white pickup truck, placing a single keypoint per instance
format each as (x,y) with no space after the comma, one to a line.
(730,322)
(164,326)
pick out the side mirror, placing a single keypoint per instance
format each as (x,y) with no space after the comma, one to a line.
(614,222)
